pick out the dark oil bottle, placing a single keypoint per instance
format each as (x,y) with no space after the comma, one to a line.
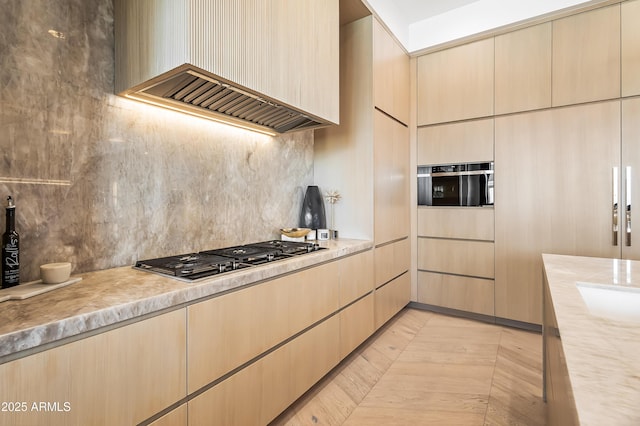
(10,249)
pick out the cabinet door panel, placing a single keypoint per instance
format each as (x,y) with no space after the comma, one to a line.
(630,48)
(119,377)
(456,222)
(586,56)
(456,84)
(256,394)
(356,277)
(239,326)
(523,69)
(391,298)
(391,260)
(456,292)
(467,142)
(390,75)
(471,258)
(556,198)
(631,158)
(391,179)
(356,324)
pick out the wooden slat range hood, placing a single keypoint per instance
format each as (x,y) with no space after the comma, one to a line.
(242,62)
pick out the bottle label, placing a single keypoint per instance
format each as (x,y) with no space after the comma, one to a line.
(11,258)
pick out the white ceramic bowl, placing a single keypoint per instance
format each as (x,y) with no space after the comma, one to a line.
(294,232)
(55,273)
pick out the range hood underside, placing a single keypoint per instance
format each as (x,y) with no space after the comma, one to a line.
(191,90)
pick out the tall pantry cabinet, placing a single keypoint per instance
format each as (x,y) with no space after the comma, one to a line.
(566,101)
(559,196)
(366,157)
(455,245)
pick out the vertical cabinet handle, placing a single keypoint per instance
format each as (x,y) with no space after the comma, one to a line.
(615,206)
(628,202)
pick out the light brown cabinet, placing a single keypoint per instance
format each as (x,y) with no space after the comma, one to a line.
(630,40)
(586,57)
(356,324)
(560,126)
(629,183)
(356,277)
(456,258)
(465,142)
(467,294)
(356,297)
(392,279)
(390,75)
(391,260)
(374,138)
(556,198)
(375,202)
(258,393)
(456,84)
(391,298)
(252,352)
(460,257)
(239,326)
(456,223)
(523,69)
(119,377)
(391,213)
(391,179)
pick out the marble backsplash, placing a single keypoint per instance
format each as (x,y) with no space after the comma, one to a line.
(101,181)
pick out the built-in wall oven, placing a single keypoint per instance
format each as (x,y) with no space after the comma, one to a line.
(468,184)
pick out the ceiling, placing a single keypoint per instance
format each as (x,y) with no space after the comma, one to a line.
(423,24)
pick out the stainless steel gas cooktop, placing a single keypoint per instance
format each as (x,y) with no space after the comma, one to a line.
(193,266)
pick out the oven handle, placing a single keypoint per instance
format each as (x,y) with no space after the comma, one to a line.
(467,173)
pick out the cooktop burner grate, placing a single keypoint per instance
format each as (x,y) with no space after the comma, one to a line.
(193,266)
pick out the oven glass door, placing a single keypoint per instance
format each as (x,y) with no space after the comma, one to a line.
(445,191)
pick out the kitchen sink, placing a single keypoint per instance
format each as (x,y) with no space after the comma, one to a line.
(611,301)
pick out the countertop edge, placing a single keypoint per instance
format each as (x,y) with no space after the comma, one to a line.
(168,294)
(599,350)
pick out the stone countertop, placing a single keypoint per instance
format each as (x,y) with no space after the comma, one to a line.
(104,298)
(599,324)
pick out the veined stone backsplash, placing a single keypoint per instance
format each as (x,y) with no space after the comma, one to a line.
(101,181)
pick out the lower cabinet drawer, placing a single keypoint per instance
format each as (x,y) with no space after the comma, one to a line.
(470,223)
(456,292)
(356,324)
(461,257)
(391,298)
(256,394)
(120,377)
(241,325)
(391,260)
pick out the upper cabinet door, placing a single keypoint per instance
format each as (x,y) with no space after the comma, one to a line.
(456,84)
(586,56)
(630,48)
(465,142)
(523,69)
(390,75)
